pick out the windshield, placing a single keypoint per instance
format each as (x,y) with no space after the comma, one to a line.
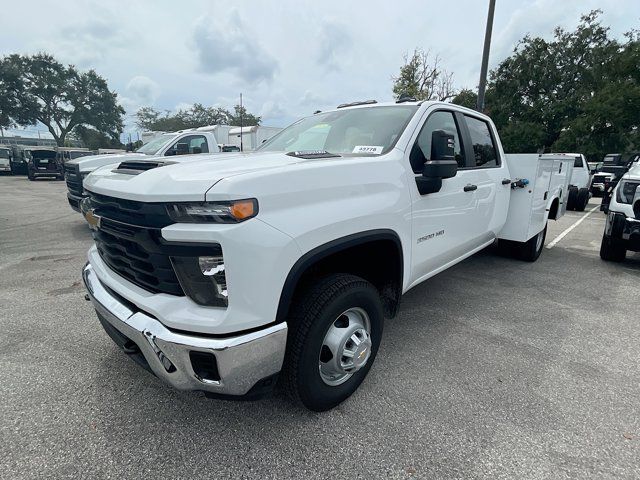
(369,130)
(154,145)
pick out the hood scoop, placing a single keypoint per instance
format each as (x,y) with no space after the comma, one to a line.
(136,167)
(310,154)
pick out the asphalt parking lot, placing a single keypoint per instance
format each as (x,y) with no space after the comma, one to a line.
(493,369)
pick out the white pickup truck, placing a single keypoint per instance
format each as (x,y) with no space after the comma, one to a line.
(183,142)
(225,276)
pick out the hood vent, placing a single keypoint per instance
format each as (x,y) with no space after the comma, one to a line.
(135,167)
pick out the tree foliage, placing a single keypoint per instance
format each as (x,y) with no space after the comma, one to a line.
(466,97)
(60,97)
(423,78)
(579,91)
(148,118)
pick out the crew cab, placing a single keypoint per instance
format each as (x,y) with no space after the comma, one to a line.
(231,276)
(184,142)
(622,228)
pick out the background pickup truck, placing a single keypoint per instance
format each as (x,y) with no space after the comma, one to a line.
(231,276)
(193,141)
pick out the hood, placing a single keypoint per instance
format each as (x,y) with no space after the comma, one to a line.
(91,162)
(186,180)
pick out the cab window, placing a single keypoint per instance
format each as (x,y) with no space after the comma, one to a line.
(189,145)
(440,120)
(578,163)
(484,150)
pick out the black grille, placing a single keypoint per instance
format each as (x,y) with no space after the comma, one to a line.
(74,179)
(133,253)
(599,178)
(130,242)
(132,212)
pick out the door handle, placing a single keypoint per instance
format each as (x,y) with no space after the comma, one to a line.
(506,181)
(470,188)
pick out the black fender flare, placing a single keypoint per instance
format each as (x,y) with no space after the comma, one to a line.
(325,250)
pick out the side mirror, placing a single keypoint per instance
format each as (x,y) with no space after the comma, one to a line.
(636,203)
(441,165)
(182,149)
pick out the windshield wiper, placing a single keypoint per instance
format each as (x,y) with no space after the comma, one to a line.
(310,154)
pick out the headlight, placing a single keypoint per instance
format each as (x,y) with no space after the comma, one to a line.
(213,212)
(203,279)
(626,191)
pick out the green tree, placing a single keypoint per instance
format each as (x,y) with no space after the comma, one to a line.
(150,119)
(578,91)
(62,98)
(422,77)
(466,97)
(93,140)
(248,119)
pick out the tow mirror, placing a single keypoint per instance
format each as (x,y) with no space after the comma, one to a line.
(182,149)
(441,165)
(636,203)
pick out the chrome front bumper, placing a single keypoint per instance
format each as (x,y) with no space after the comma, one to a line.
(242,361)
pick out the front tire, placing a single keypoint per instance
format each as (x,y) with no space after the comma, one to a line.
(612,250)
(335,328)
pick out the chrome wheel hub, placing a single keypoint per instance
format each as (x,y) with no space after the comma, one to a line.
(346,347)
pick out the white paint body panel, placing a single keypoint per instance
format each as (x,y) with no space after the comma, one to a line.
(529,206)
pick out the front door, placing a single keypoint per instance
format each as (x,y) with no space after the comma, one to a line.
(446,224)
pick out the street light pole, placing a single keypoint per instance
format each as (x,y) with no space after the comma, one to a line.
(485,56)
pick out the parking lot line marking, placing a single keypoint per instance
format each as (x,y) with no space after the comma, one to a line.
(555,241)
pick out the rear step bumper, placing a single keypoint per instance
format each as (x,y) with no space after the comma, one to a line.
(234,366)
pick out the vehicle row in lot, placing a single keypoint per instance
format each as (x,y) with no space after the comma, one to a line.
(177,145)
(226,274)
(38,161)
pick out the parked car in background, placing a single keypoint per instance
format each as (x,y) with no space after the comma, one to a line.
(613,168)
(228,148)
(6,154)
(194,141)
(252,137)
(224,276)
(72,153)
(580,186)
(43,162)
(622,229)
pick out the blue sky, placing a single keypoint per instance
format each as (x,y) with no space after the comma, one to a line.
(287,57)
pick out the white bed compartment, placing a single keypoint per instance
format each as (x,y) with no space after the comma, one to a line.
(548,177)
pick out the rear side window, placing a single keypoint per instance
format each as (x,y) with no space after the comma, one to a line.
(484,150)
(578,163)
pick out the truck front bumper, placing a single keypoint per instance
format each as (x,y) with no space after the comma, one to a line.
(236,365)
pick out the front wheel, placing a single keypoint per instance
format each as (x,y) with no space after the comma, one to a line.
(612,250)
(335,328)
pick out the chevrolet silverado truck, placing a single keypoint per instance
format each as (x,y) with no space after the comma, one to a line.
(184,142)
(622,228)
(230,277)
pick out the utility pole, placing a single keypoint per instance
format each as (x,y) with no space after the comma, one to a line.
(241,132)
(485,56)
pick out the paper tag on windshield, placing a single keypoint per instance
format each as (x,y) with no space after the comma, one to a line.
(371,149)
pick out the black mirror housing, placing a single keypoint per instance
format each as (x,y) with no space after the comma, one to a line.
(182,149)
(440,168)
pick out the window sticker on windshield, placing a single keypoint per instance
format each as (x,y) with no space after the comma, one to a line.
(372,149)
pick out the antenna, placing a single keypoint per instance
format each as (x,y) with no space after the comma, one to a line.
(241,132)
